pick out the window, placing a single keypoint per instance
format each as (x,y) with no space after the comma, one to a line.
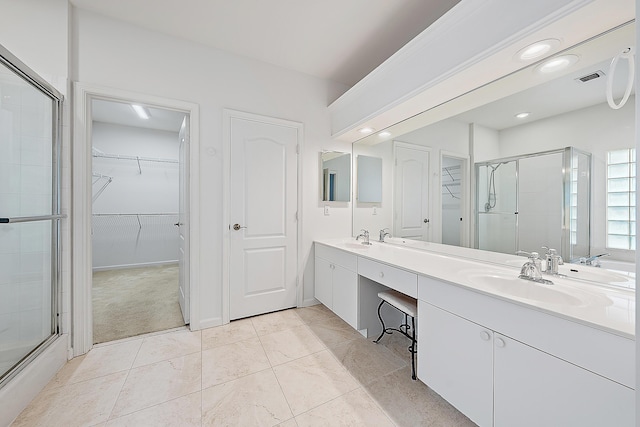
(621,199)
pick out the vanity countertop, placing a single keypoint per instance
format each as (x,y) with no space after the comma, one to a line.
(605,307)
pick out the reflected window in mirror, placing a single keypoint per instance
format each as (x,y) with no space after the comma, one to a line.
(335,176)
(621,199)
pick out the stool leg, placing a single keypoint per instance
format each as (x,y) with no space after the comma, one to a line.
(413,349)
(384,329)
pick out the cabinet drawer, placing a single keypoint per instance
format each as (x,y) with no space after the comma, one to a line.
(395,278)
(336,256)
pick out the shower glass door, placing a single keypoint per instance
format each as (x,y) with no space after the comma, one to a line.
(497,206)
(29,215)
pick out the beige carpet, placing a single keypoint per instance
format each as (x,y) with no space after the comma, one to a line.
(134,301)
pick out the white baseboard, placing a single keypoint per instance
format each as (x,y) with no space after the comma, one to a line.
(124,266)
(24,387)
(209,323)
(309,302)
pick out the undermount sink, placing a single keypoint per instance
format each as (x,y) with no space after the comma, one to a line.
(586,272)
(596,274)
(524,289)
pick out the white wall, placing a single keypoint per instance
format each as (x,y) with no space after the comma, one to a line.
(36,31)
(121,240)
(485,143)
(595,129)
(109,53)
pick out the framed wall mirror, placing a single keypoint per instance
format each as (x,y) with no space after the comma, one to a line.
(335,176)
(566,108)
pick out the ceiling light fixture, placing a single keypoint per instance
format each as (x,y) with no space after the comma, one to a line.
(141,111)
(522,115)
(537,49)
(365,130)
(557,63)
(384,134)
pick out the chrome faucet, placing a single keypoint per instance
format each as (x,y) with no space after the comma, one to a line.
(365,237)
(552,261)
(531,269)
(593,260)
(384,233)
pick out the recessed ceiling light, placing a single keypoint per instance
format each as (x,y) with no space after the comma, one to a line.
(557,63)
(537,49)
(141,111)
(522,115)
(384,134)
(366,130)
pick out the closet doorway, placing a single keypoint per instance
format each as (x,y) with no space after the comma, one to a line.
(454,177)
(139,230)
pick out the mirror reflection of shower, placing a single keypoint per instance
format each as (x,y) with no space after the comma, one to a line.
(491,193)
(530,201)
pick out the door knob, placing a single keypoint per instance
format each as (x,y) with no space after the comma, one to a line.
(426,221)
(237,227)
(178,224)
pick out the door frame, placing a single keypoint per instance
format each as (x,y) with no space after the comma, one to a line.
(464,196)
(81,161)
(227,116)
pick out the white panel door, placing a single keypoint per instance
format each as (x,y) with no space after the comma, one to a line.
(411,192)
(263,229)
(183,221)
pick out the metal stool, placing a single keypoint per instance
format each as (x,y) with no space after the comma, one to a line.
(408,306)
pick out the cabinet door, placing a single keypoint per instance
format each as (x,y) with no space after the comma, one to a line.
(345,295)
(455,358)
(323,282)
(533,388)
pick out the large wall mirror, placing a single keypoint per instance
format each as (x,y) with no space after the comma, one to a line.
(335,176)
(491,167)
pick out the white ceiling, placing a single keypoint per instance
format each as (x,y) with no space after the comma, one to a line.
(336,40)
(550,99)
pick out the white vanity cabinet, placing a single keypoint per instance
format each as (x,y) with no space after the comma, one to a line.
(455,358)
(336,282)
(533,388)
(465,355)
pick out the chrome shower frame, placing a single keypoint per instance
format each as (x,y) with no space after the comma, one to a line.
(29,76)
(567,249)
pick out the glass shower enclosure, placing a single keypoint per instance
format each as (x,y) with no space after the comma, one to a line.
(526,202)
(29,215)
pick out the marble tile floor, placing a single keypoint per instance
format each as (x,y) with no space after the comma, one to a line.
(298,367)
